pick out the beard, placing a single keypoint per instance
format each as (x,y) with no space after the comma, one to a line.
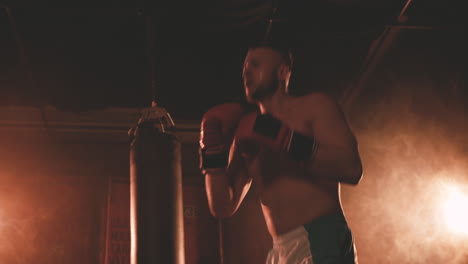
(264,91)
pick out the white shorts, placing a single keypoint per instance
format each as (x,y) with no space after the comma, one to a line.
(292,247)
(325,240)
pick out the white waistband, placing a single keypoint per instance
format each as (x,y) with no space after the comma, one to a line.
(293,235)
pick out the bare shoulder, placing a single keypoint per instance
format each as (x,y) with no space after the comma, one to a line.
(327,120)
(319,105)
(318,98)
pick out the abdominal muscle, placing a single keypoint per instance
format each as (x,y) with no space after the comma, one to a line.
(288,203)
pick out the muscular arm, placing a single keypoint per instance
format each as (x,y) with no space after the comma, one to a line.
(225,178)
(227,187)
(337,156)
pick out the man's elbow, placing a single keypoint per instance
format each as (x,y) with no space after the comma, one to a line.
(354,174)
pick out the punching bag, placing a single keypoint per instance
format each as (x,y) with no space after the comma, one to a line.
(156,213)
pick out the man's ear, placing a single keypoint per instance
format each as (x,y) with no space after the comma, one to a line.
(283,72)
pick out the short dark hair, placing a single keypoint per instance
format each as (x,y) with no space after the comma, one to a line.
(283,50)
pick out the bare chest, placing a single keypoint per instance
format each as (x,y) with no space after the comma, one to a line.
(295,115)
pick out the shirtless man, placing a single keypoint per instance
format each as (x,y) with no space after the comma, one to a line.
(297,150)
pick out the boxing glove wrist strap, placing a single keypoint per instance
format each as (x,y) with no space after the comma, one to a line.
(299,147)
(211,161)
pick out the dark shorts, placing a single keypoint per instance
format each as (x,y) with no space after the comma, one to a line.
(325,240)
(331,240)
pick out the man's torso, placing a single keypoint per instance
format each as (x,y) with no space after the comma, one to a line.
(288,199)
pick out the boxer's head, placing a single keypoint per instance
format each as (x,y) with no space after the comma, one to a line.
(266,69)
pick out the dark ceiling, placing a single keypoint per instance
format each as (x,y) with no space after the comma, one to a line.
(95,54)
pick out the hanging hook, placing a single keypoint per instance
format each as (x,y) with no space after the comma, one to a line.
(270,23)
(272,19)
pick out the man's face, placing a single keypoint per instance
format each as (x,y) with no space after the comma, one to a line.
(260,73)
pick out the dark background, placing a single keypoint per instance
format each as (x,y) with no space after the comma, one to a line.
(95,54)
(402,82)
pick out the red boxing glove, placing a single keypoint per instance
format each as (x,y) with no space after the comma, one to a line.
(263,129)
(252,133)
(217,132)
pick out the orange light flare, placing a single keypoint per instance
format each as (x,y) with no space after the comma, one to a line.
(454,208)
